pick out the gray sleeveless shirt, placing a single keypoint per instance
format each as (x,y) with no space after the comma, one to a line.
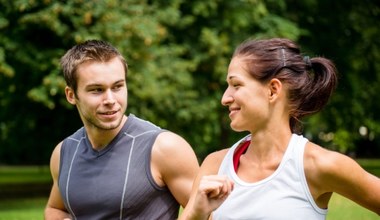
(116,182)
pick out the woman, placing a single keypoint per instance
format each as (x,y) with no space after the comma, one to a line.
(274,172)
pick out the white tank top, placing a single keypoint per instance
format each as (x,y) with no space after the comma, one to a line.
(283,195)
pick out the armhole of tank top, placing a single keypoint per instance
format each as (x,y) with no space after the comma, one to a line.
(61,153)
(300,165)
(149,158)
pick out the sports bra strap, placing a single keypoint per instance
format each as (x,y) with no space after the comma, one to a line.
(239,151)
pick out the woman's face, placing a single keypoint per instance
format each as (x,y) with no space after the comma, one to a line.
(246,98)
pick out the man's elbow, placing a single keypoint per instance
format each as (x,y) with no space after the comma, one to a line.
(55,214)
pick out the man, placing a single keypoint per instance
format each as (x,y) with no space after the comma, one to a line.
(115,166)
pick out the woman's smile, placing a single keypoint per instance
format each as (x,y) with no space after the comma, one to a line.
(233,111)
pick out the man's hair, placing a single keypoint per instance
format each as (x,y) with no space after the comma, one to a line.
(88,51)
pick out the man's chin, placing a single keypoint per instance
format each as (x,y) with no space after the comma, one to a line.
(108,126)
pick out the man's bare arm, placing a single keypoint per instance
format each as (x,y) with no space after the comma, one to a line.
(55,208)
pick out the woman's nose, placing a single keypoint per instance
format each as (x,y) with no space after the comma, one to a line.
(227,98)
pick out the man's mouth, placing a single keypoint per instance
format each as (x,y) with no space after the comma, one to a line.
(108,113)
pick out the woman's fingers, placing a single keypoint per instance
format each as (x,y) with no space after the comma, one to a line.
(216,187)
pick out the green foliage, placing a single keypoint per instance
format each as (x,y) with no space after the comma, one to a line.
(178,52)
(213,30)
(347,34)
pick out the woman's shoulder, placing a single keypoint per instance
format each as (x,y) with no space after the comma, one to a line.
(217,155)
(211,163)
(327,167)
(330,171)
(320,157)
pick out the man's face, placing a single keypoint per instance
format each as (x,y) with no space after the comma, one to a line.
(101,94)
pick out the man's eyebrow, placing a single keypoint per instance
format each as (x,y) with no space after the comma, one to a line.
(119,81)
(93,85)
(99,84)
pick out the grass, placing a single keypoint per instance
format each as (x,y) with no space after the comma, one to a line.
(24,181)
(371,165)
(22,209)
(19,180)
(32,209)
(341,208)
(24,174)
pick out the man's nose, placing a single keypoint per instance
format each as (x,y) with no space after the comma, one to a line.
(109,98)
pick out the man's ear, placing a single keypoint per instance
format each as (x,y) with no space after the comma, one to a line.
(70,95)
(275,89)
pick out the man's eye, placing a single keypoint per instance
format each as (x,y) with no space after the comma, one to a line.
(96,90)
(117,87)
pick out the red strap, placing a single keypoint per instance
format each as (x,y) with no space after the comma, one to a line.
(239,151)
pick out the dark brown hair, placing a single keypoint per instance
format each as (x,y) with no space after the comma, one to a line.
(88,51)
(310,81)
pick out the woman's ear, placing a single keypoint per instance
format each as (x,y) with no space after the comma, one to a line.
(275,89)
(70,95)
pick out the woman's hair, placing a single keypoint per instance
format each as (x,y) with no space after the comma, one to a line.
(310,81)
(88,51)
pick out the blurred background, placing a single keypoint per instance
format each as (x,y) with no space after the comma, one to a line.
(178,52)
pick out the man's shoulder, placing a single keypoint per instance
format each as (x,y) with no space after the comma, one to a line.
(173,145)
(170,140)
(136,125)
(72,139)
(77,135)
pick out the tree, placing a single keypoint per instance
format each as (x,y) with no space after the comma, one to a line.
(348,34)
(178,52)
(36,34)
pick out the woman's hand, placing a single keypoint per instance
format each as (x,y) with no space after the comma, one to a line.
(213,190)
